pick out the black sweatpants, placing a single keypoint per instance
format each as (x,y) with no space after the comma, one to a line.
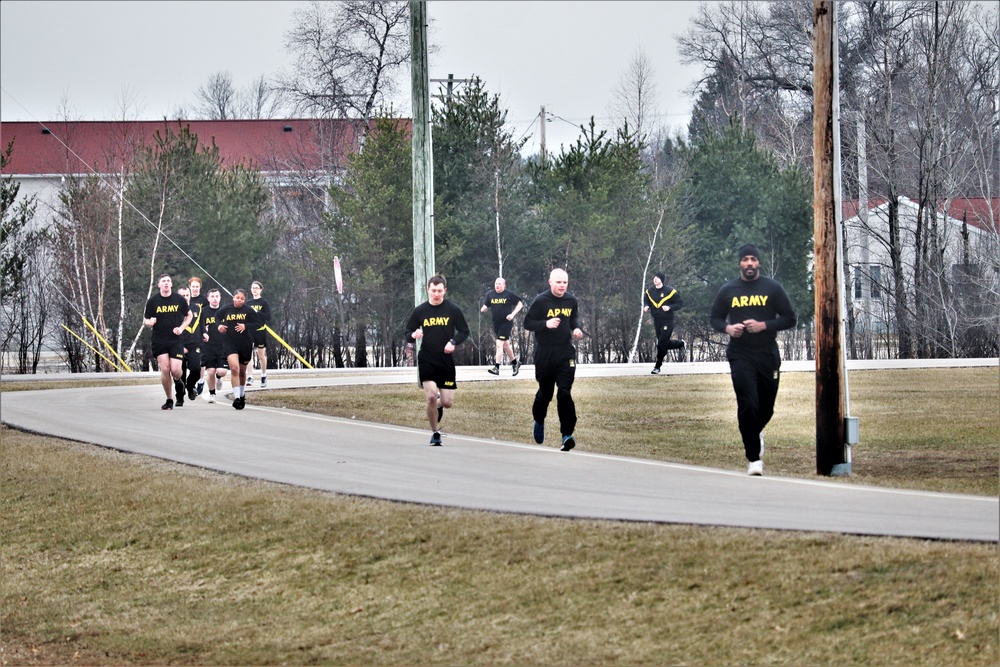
(555,368)
(756,390)
(191,368)
(664,344)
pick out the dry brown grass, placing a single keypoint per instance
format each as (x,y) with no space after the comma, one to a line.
(113,559)
(110,558)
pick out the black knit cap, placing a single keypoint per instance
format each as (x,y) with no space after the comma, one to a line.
(749,249)
(659,274)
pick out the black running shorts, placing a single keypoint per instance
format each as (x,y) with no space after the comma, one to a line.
(174,348)
(440,373)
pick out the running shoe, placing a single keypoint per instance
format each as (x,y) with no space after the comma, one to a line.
(655,371)
(515,367)
(495,370)
(236,404)
(249,380)
(191,394)
(568,443)
(169,405)
(755,469)
(539,432)
(211,398)
(200,387)
(263,381)
(436,439)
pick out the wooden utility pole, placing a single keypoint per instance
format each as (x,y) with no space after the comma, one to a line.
(830,412)
(541,134)
(423,164)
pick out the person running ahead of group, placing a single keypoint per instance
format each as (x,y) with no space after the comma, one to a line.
(167,313)
(236,323)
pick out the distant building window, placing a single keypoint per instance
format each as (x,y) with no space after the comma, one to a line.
(870,273)
(876,277)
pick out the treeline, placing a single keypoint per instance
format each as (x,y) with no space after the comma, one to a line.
(918,102)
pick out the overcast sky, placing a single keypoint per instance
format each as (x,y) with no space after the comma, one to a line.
(89,57)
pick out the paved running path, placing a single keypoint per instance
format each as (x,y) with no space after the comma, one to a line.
(381,461)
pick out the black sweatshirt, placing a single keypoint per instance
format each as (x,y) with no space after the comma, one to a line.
(546,306)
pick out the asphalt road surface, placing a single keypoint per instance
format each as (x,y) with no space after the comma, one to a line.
(381,461)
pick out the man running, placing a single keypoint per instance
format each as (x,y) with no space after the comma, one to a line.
(661,302)
(441,327)
(752,310)
(554,317)
(191,368)
(505,306)
(213,357)
(167,314)
(197,300)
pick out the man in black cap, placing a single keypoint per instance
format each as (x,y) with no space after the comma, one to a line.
(752,310)
(661,301)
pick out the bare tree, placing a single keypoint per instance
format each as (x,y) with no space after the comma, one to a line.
(634,98)
(347,55)
(219,99)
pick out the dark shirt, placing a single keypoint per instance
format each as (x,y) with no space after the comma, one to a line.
(210,321)
(262,308)
(501,305)
(169,312)
(657,297)
(763,300)
(546,306)
(440,324)
(231,316)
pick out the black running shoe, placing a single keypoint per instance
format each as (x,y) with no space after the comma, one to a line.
(568,443)
(243,401)
(169,405)
(436,439)
(515,367)
(191,394)
(180,400)
(236,404)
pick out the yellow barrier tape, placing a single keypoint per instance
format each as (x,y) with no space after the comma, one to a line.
(106,343)
(287,346)
(94,349)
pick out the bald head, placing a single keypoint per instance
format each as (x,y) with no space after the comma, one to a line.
(558,282)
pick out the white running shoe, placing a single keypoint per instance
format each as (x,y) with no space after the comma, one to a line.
(755,469)
(249,380)
(211,398)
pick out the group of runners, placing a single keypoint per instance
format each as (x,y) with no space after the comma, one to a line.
(750,309)
(196,340)
(196,334)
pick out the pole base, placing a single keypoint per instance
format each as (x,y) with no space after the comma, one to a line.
(841,470)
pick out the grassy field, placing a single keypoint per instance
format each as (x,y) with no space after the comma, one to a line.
(110,559)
